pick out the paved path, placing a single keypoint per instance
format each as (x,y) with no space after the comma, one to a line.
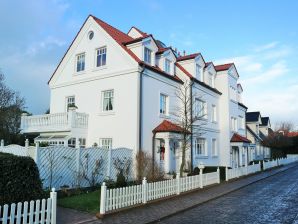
(155,211)
(272,200)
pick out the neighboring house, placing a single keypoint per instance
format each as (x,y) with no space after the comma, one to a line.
(258,128)
(114,89)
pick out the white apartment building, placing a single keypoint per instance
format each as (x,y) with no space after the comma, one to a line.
(116,89)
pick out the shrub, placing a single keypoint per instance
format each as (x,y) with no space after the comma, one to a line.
(19,180)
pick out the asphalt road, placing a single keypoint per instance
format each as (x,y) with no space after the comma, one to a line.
(272,200)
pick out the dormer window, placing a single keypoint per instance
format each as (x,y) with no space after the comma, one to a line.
(167,66)
(211,80)
(198,72)
(147,55)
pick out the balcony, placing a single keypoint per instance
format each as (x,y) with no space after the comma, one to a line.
(58,122)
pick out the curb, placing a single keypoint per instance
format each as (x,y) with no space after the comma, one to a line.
(218,196)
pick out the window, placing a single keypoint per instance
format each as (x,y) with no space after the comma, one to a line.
(147,55)
(214,147)
(214,114)
(163,104)
(201,147)
(200,109)
(106,143)
(241,122)
(167,66)
(82,142)
(70,101)
(198,72)
(72,142)
(81,62)
(101,56)
(210,80)
(233,94)
(234,124)
(108,100)
(90,35)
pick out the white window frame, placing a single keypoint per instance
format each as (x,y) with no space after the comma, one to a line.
(82,66)
(214,150)
(100,52)
(147,57)
(201,151)
(201,109)
(103,100)
(234,124)
(211,79)
(168,66)
(214,113)
(199,73)
(241,122)
(67,102)
(163,106)
(106,143)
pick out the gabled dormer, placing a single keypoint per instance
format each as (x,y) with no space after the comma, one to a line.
(134,32)
(254,120)
(194,64)
(166,59)
(144,48)
(209,74)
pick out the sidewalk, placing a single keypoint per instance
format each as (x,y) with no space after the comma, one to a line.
(152,212)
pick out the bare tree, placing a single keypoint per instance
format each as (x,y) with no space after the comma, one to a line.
(11,107)
(189,115)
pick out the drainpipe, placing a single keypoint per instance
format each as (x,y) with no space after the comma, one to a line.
(141,108)
(191,134)
(153,154)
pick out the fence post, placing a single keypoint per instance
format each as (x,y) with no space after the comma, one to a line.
(201,167)
(36,156)
(178,183)
(103,198)
(78,163)
(27,143)
(218,173)
(109,163)
(144,190)
(260,165)
(2,143)
(53,196)
(227,177)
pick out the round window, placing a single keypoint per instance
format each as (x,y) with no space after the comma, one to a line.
(90,35)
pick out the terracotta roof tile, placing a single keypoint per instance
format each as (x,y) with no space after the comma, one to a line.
(223,67)
(239,138)
(187,57)
(167,126)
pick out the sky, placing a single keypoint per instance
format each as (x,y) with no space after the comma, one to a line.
(260,37)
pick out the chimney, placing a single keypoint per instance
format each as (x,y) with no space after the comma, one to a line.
(179,53)
(184,53)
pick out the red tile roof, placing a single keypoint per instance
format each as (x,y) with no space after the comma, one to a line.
(167,126)
(187,57)
(183,70)
(239,138)
(223,67)
(292,134)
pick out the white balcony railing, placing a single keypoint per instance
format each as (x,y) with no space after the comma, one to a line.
(54,122)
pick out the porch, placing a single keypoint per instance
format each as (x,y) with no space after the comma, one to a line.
(240,152)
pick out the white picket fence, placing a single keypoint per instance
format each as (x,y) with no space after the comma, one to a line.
(289,159)
(61,166)
(270,164)
(113,199)
(242,171)
(33,212)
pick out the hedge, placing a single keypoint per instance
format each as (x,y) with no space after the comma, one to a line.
(19,179)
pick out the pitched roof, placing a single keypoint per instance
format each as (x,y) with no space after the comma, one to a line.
(238,138)
(252,116)
(168,126)
(223,67)
(265,121)
(140,31)
(252,132)
(242,105)
(262,135)
(208,63)
(187,57)
(196,80)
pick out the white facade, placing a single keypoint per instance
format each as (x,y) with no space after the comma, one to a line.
(125,84)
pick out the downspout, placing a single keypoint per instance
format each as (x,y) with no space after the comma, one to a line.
(153,153)
(191,134)
(141,108)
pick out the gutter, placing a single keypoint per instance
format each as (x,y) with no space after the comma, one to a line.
(191,136)
(141,108)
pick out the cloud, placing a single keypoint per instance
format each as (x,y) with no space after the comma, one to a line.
(265,46)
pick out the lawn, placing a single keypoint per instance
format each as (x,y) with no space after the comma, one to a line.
(88,202)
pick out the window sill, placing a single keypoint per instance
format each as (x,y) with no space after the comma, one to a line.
(165,116)
(201,157)
(106,113)
(99,68)
(79,73)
